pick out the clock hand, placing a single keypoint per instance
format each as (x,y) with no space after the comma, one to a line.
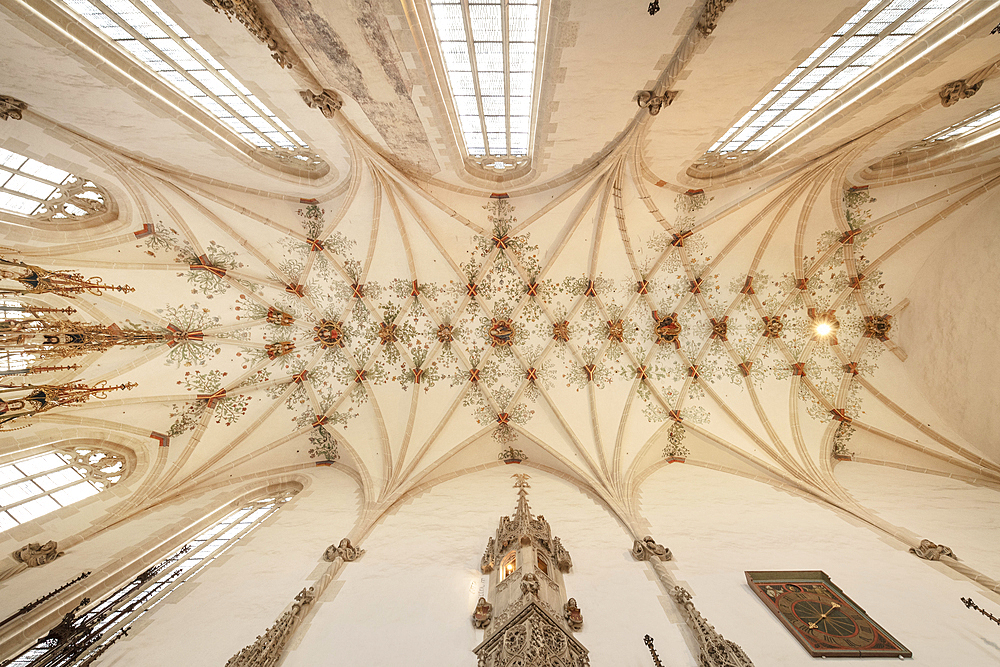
(812,626)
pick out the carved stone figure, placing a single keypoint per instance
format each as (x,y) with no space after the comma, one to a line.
(11,108)
(483,614)
(344,551)
(958,90)
(647,549)
(327,101)
(35,554)
(930,551)
(573,615)
(529,585)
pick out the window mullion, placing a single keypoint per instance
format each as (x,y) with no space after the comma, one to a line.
(43,493)
(885,32)
(471,45)
(22,195)
(181,41)
(505,46)
(805,72)
(850,60)
(124,25)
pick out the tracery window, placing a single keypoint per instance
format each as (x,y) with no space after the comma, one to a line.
(35,486)
(873,34)
(146,32)
(36,190)
(92,631)
(508,565)
(489,48)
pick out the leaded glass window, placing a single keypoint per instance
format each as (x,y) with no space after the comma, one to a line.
(489,49)
(880,29)
(35,486)
(92,628)
(152,37)
(36,190)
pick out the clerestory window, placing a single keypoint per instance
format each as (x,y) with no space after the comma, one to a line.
(146,32)
(87,634)
(489,49)
(967,126)
(36,190)
(873,34)
(35,486)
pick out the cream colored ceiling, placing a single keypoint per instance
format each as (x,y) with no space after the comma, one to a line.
(387,220)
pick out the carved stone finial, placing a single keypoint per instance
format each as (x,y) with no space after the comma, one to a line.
(267,649)
(483,614)
(344,551)
(563,561)
(930,551)
(488,562)
(327,101)
(573,615)
(716,650)
(648,549)
(11,108)
(958,90)
(35,554)
(653,103)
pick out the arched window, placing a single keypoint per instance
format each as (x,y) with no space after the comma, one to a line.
(35,190)
(508,565)
(153,38)
(35,486)
(543,565)
(92,628)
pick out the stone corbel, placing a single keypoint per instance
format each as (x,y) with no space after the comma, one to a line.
(35,554)
(930,551)
(958,90)
(11,108)
(653,103)
(327,101)
(648,549)
(344,551)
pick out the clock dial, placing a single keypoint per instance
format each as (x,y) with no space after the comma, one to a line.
(824,620)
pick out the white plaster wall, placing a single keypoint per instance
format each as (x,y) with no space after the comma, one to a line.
(718,526)
(240,595)
(946,511)
(949,330)
(409,599)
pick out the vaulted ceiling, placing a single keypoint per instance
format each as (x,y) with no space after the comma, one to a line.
(604,315)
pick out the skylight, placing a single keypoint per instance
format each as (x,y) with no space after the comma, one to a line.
(969,125)
(142,29)
(32,189)
(489,49)
(880,29)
